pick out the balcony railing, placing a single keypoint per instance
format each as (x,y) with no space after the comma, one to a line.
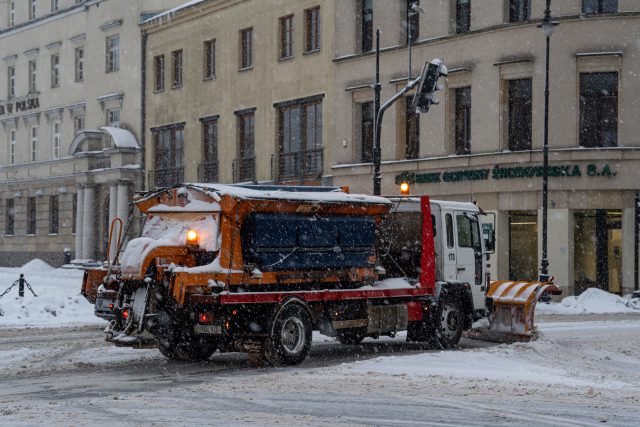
(208,172)
(165,177)
(244,169)
(100,161)
(297,166)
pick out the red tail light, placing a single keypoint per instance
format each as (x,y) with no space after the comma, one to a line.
(125,314)
(205,318)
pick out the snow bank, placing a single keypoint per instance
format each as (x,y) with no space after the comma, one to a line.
(58,302)
(591,301)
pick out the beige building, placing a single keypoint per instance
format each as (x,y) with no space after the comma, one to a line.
(240,91)
(484,141)
(70,120)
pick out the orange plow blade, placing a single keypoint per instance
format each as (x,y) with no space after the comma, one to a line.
(514,305)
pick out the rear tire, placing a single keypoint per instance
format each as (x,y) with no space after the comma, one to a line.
(174,344)
(291,334)
(423,332)
(351,336)
(449,321)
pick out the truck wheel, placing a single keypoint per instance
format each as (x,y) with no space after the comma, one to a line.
(290,339)
(175,345)
(351,336)
(449,321)
(423,332)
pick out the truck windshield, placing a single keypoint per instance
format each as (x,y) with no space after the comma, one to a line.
(171,229)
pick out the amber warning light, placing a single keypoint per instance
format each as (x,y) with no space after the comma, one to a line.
(192,237)
(405,189)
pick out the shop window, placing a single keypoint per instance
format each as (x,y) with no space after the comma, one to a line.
(523,245)
(519,114)
(599,109)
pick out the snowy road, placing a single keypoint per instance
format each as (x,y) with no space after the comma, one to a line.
(579,373)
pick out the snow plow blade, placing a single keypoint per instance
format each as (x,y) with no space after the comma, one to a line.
(513,308)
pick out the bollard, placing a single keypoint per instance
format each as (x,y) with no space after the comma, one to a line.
(21,285)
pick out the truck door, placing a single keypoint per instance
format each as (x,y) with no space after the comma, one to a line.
(449,247)
(469,254)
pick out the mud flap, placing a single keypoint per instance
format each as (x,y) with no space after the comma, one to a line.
(514,305)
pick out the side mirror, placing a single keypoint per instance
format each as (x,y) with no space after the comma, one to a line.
(489,234)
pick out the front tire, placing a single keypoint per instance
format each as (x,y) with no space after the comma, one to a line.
(449,321)
(291,334)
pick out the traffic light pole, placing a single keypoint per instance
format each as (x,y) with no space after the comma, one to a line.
(377,178)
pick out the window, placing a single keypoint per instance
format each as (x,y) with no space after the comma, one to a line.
(412,128)
(53,214)
(9,217)
(55,140)
(168,155)
(32,9)
(79,64)
(32,76)
(158,62)
(11,81)
(34,143)
(54,5)
(286,37)
(246,47)
(519,10)
(209,169)
(468,233)
(209,59)
(366,132)
(519,114)
(113,117)
(113,53)
(463,16)
(366,25)
(12,13)
(31,215)
(78,124)
(12,146)
(599,109)
(55,70)
(599,6)
(462,120)
(449,224)
(176,67)
(413,20)
(300,145)
(312,29)
(245,165)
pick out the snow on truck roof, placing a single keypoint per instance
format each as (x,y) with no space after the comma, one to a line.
(260,192)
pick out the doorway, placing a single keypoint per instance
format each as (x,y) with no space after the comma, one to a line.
(598,250)
(523,245)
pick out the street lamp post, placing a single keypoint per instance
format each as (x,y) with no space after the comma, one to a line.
(547,27)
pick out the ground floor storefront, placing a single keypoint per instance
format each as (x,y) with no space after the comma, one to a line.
(591,209)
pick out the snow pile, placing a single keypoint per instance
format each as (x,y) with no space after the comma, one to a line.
(58,302)
(591,301)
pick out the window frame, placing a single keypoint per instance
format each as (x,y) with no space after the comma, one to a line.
(55,139)
(159,73)
(177,69)
(10,217)
(54,215)
(463,16)
(246,48)
(600,6)
(412,122)
(33,74)
(599,105)
(111,113)
(79,64)
(366,25)
(312,20)
(32,10)
(519,11)
(11,81)
(365,142)
(12,13)
(209,59)
(112,54)
(12,146)
(413,20)
(462,145)
(286,32)
(55,5)
(32,211)
(34,144)
(55,70)
(514,106)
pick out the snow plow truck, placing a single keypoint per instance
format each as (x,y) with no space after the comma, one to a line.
(256,269)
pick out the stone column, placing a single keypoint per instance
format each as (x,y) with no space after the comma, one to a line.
(113,211)
(79,221)
(123,200)
(88,224)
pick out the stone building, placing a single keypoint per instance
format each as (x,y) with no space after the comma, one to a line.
(240,91)
(70,120)
(484,141)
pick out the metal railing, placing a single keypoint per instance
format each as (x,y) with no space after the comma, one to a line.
(165,177)
(244,169)
(208,172)
(299,166)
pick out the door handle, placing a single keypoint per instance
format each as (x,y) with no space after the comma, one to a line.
(461,269)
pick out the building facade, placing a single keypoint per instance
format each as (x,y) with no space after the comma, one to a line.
(70,120)
(484,141)
(240,91)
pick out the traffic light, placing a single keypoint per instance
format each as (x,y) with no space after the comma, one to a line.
(425,96)
(405,188)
